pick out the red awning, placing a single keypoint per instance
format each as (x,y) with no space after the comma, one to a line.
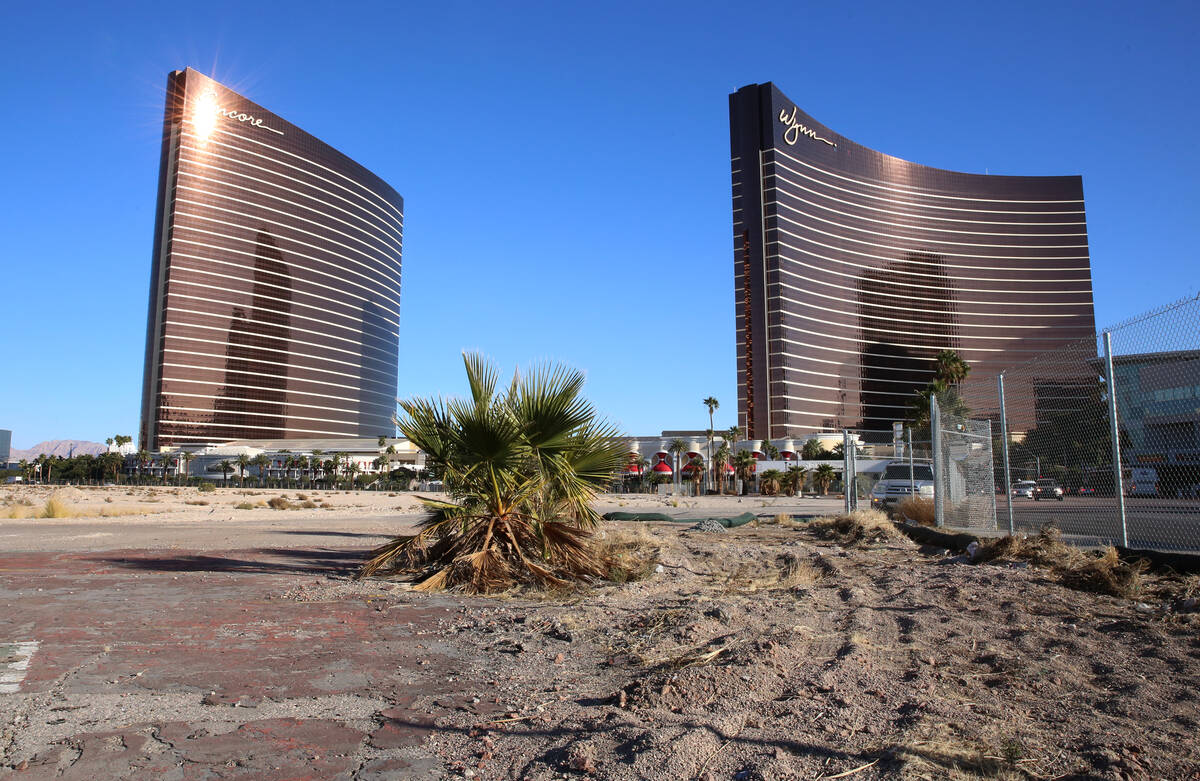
(662,468)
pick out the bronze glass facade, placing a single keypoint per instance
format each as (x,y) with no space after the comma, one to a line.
(853,269)
(275,282)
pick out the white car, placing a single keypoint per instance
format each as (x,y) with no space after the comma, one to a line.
(1024,489)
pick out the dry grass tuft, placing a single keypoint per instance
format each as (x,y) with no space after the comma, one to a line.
(114,512)
(784,573)
(307,505)
(57,508)
(200,502)
(243,506)
(914,508)
(783,519)
(280,503)
(16,511)
(629,554)
(859,527)
(1102,572)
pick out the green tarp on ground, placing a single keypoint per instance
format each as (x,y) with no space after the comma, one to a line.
(737,520)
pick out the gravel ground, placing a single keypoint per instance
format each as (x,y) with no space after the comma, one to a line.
(760,653)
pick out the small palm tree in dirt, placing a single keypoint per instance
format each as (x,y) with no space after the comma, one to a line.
(523,465)
(823,477)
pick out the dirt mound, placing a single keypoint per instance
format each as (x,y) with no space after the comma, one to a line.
(1102,572)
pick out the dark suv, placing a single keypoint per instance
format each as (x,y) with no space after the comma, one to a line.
(1047,489)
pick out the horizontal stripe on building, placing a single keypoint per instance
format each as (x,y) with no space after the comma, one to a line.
(373,228)
(255,306)
(356,200)
(228,329)
(375,294)
(380,288)
(926,298)
(224,358)
(917,192)
(913,255)
(856,302)
(290,379)
(164,422)
(940,207)
(179,264)
(918,228)
(925,231)
(309,164)
(375,254)
(164,390)
(248,401)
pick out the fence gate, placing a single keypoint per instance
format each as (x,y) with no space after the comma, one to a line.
(964,479)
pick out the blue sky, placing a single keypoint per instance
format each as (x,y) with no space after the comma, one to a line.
(564,166)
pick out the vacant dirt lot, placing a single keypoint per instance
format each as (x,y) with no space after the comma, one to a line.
(758,653)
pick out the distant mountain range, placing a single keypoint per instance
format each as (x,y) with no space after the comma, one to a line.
(59,447)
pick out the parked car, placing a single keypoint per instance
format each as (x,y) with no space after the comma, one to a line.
(896,483)
(1047,489)
(1086,490)
(1024,488)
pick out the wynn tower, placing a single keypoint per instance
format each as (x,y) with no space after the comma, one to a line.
(853,269)
(275,282)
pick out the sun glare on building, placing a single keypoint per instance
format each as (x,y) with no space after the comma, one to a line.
(204,119)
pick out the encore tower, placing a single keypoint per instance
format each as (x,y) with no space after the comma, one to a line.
(275,282)
(853,269)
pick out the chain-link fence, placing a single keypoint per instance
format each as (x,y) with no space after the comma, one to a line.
(963,473)
(1101,437)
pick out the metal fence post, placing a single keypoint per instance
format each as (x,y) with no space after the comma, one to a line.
(912,479)
(1008,500)
(935,429)
(847,466)
(1114,430)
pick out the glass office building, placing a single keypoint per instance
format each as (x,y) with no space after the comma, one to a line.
(275,282)
(853,269)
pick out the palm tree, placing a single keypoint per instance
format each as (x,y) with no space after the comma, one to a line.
(341,462)
(352,469)
(317,463)
(720,461)
(523,465)
(770,451)
(793,481)
(261,461)
(713,405)
(950,368)
(226,469)
(142,458)
(694,469)
(677,448)
(823,477)
(743,465)
(242,462)
(769,482)
(812,450)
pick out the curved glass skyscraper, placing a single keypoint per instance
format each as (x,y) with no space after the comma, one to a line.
(853,269)
(275,284)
